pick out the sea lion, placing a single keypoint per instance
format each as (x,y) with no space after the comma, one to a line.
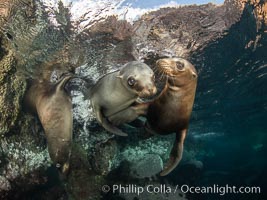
(115,97)
(53,105)
(170,111)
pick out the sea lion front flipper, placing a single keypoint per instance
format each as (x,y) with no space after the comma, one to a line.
(128,115)
(60,85)
(141,101)
(107,125)
(176,153)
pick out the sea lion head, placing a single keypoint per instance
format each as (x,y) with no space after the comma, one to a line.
(178,70)
(138,78)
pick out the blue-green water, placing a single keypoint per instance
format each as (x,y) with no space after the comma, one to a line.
(230,115)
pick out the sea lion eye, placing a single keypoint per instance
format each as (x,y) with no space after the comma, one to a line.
(131,81)
(180,66)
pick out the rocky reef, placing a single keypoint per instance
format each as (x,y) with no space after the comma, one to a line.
(227,43)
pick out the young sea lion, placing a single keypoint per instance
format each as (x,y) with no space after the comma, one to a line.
(114,97)
(171,111)
(53,106)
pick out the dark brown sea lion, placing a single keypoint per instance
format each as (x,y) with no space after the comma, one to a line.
(115,97)
(53,106)
(171,111)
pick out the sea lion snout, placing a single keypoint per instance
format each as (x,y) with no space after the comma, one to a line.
(148,84)
(149,91)
(152,90)
(144,88)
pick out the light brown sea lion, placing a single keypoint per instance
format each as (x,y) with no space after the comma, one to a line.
(115,97)
(170,111)
(53,106)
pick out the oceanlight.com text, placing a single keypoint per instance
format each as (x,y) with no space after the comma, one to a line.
(221,190)
(186,189)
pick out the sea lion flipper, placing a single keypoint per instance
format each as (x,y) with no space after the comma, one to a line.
(112,129)
(107,125)
(63,81)
(176,153)
(141,101)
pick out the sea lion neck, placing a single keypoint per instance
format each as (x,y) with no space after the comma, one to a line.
(175,82)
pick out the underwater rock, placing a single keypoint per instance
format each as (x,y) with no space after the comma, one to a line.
(12,88)
(23,167)
(173,31)
(23,159)
(112,28)
(259,9)
(138,149)
(46,45)
(136,155)
(4,187)
(83,182)
(146,167)
(4,184)
(84,185)
(103,155)
(108,44)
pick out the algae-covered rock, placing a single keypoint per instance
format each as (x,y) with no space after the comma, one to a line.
(83,183)
(12,89)
(24,161)
(23,154)
(146,167)
(104,154)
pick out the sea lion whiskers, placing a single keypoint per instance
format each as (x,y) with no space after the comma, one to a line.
(159,71)
(161,76)
(155,69)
